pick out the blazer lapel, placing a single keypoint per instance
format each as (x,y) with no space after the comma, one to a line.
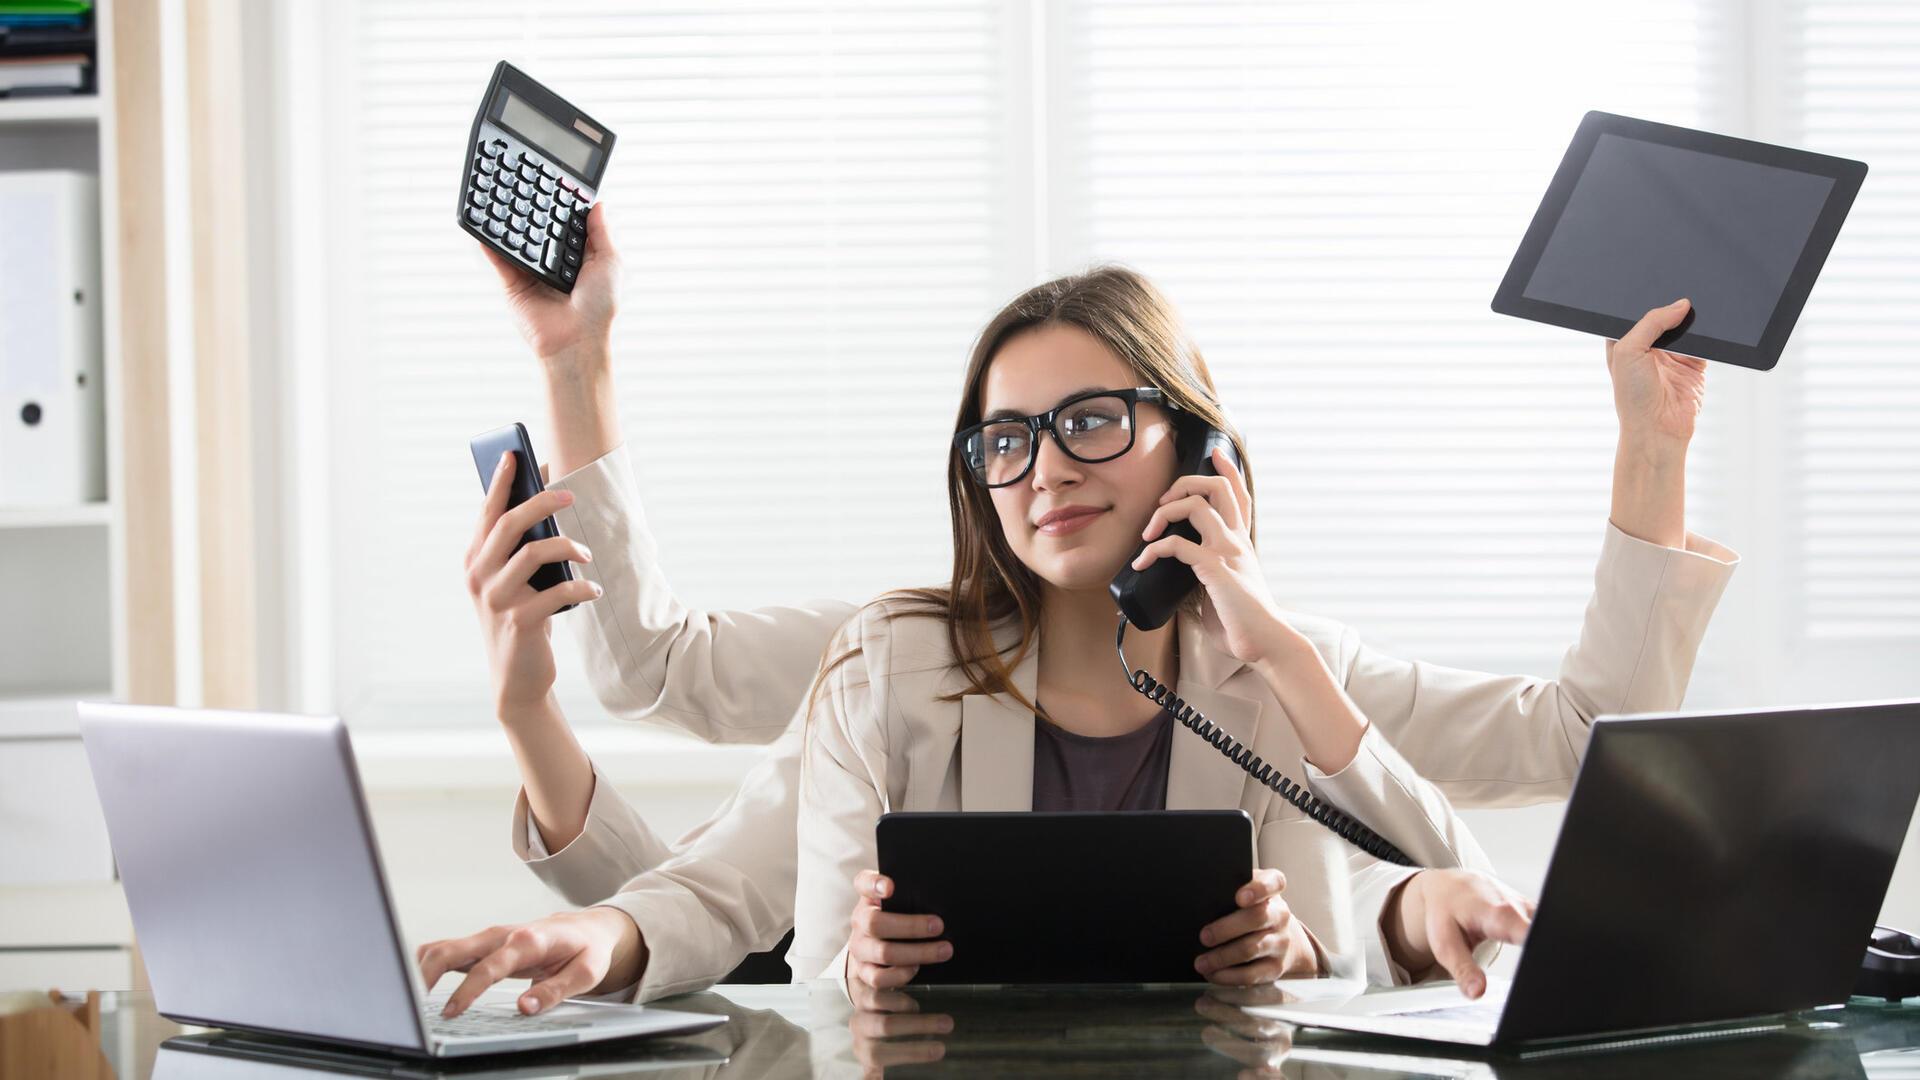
(1200,777)
(996,744)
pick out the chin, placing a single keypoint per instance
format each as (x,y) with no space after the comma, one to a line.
(1076,571)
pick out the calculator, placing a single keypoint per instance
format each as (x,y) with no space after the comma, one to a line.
(533,165)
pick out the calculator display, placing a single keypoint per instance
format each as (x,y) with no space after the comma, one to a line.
(536,127)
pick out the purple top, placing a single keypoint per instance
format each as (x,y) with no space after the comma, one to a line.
(1090,772)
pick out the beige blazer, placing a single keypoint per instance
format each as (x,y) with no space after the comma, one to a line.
(726,889)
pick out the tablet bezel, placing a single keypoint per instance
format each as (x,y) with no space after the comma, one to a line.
(1846,175)
(1049,897)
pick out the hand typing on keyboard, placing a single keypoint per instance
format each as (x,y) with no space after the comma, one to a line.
(1437,917)
(597,950)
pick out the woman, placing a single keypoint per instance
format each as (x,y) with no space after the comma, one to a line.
(1485,739)
(1000,692)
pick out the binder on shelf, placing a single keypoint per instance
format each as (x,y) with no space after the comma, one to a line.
(52,410)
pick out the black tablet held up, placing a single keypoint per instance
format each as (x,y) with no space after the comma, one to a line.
(1067,897)
(1641,214)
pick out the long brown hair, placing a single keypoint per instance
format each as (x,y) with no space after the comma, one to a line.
(1129,315)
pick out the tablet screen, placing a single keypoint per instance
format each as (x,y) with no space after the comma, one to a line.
(1648,223)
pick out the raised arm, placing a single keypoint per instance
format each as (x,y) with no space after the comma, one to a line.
(1501,740)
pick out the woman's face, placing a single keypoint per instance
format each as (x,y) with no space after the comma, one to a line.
(1106,504)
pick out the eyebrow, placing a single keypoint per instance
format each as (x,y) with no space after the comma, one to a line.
(1015,414)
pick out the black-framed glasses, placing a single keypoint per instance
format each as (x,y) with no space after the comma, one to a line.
(1092,427)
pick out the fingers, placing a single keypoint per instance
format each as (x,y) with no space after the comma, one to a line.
(436,958)
(873,950)
(599,238)
(1237,480)
(1266,882)
(1264,970)
(867,999)
(513,524)
(1195,509)
(577,977)
(1169,547)
(1653,324)
(1244,950)
(871,921)
(495,503)
(530,558)
(881,976)
(546,603)
(873,884)
(1216,490)
(1450,949)
(521,948)
(1264,914)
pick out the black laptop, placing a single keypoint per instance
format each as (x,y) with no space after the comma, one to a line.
(1714,871)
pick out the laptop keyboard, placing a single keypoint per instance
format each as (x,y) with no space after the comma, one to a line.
(490,1024)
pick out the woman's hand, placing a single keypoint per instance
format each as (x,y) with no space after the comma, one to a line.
(597,950)
(1439,916)
(515,618)
(1260,942)
(1658,396)
(567,329)
(1243,615)
(886,949)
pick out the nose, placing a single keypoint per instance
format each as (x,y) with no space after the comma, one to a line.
(1053,468)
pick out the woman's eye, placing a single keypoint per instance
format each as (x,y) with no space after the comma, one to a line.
(1007,445)
(1083,423)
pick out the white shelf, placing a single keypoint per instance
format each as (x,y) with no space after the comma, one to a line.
(47,713)
(50,109)
(55,517)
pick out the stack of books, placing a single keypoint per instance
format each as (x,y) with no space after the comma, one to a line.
(46,47)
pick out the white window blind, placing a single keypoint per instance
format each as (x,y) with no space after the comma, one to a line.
(808,200)
(1331,192)
(1854,70)
(820,204)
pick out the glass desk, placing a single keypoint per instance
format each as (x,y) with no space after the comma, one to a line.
(777,1032)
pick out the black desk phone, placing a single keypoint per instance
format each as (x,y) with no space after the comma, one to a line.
(1147,599)
(533,165)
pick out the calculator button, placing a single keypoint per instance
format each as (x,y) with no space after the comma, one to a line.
(567,197)
(576,243)
(519,224)
(567,274)
(572,256)
(558,231)
(528,172)
(481,183)
(561,213)
(499,211)
(532,250)
(476,215)
(542,202)
(523,189)
(486,166)
(495,148)
(546,184)
(522,207)
(480,202)
(541,220)
(552,259)
(579,222)
(551,172)
(496,230)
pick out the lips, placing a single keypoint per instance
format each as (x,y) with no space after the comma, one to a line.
(1067,519)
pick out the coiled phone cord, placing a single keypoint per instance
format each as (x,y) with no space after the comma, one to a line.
(1305,801)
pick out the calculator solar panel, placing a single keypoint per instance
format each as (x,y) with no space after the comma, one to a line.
(534,163)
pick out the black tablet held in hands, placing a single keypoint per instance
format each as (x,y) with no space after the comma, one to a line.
(1067,897)
(487,451)
(1641,214)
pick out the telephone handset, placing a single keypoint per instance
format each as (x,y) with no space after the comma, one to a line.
(1147,599)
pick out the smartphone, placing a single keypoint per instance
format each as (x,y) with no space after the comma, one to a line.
(487,449)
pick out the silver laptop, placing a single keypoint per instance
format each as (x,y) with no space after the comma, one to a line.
(259,899)
(1715,871)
